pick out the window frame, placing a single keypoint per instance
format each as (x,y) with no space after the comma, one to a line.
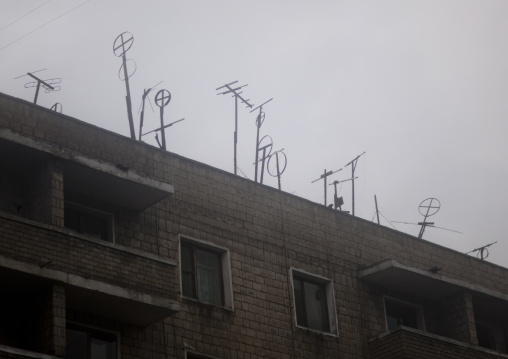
(225,270)
(92,329)
(327,284)
(107,216)
(420,318)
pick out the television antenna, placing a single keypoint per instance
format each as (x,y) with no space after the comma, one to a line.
(353,167)
(46,84)
(277,171)
(483,252)
(143,98)
(237,95)
(339,201)
(324,176)
(428,207)
(121,45)
(259,121)
(263,148)
(162,99)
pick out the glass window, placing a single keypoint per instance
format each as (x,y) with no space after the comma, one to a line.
(202,274)
(402,313)
(85,343)
(314,303)
(89,222)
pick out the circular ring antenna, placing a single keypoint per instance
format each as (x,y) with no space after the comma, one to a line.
(162,98)
(429,207)
(268,144)
(123,43)
(121,74)
(275,170)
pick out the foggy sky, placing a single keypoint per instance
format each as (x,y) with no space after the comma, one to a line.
(420,86)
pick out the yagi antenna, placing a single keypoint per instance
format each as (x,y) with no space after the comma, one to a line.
(237,95)
(46,84)
(323,177)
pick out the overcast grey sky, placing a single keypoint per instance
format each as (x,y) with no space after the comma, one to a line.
(421,86)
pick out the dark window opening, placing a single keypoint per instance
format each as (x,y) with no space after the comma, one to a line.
(491,337)
(202,274)
(399,313)
(83,343)
(88,222)
(311,304)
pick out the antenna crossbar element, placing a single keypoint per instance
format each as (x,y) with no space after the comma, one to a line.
(38,82)
(237,96)
(163,127)
(261,106)
(324,176)
(353,167)
(483,252)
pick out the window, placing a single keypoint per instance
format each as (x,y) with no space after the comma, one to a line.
(205,273)
(84,343)
(314,302)
(88,221)
(491,335)
(400,313)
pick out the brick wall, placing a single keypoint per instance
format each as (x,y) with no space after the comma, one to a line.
(266,231)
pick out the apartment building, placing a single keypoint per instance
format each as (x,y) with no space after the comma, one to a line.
(111,248)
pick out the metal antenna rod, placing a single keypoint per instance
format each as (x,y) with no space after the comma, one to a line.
(334,184)
(143,98)
(353,167)
(237,96)
(377,211)
(323,176)
(259,121)
(482,250)
(121,45)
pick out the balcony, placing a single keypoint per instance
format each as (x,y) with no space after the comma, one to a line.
(100,278)
(404,342)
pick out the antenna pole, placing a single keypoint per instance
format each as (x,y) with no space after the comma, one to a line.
(128,98)
(324,176)
(259,121)
(39,82)
(377,211)
(236,94)
(353,167)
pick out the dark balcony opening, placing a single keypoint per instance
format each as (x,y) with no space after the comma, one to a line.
(19,321)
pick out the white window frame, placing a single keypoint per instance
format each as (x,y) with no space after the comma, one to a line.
(420,318)
(227,283)
(330,300)
(95,212)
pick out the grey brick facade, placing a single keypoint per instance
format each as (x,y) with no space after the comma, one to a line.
(128,286)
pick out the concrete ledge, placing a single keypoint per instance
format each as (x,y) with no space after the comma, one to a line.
(93,296)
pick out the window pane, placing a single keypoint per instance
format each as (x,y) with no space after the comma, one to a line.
(209,277)
(77,344)
(316,306)
(103,347)
(188,285)
(299,303)
(401,314)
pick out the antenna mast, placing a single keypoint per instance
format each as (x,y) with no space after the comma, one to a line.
(353,167)
(323,176)
(237,96)
(259,121)
(120,47)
